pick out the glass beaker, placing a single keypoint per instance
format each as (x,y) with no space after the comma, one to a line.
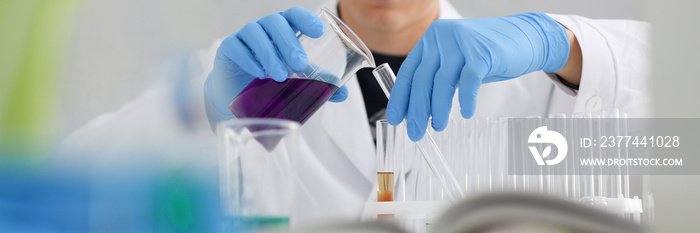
(333,59)
(256,182)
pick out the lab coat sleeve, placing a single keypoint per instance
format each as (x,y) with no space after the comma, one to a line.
(149,125)
(616,65)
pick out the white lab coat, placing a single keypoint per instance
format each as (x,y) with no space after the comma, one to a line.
(337,153)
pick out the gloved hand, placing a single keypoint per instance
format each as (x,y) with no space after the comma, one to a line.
(259,50)
(465,53)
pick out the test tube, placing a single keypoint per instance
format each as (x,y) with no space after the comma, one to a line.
(584,127)
(472,148)
(518,181)
(612,127)
(534,182)
(496,156)
(562,173)
(385,164)
(572,167)
(625,153)
(431,153)
(509,180)
(385,186)
(460,151)
(597,128)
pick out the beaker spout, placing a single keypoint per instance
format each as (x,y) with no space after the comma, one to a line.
(358,56)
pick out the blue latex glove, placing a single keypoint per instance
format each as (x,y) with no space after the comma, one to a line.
(259,50)
(465,53)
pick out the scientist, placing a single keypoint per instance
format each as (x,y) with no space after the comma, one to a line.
(530,64)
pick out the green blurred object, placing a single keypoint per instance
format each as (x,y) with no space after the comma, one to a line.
(33,41)
(429,227)
(175,204)
(185,202)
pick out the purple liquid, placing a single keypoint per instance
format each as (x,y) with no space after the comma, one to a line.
(294,99)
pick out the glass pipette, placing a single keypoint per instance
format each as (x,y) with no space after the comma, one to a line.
(431,153)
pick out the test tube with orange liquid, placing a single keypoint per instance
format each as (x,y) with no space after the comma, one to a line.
(385,186)
(385,190)
(385,164)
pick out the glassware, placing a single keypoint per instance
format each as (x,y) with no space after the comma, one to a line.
(389,167)
(488,155)
(333,60)
(256,182)
(386,162)
(431,153)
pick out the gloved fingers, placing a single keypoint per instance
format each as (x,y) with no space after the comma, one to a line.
(469,84)
(400,93)
(419,102)
(326,76)
(331,78)
(219,91)
(255,37)
(233,50)
(284,38)
(444,86)
(305,21)
(340,95)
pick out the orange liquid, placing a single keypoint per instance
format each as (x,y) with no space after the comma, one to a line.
(385,190)
(385,186)
(385,195)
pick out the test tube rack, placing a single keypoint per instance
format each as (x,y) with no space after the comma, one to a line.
(477,152)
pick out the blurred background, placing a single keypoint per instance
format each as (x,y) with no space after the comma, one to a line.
(116,49)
